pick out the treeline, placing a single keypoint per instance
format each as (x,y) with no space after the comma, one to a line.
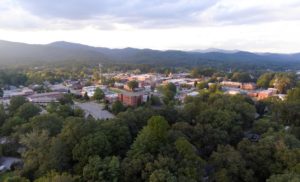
(214,137)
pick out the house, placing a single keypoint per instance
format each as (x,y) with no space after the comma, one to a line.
(248,86)
(76,85)
(264,94)
(131,98)
(111,97)
(59,88)
(252,94)
(231,84)
(90,90)
(233,92)
(119,85)
(17,92)
(273,90)
(45,98)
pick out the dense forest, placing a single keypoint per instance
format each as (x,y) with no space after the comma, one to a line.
(213,137)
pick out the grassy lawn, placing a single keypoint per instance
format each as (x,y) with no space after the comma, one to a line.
(116,90)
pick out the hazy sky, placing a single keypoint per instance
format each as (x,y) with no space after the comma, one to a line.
(253,25)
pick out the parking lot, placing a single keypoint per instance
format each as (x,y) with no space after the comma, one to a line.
(94,109)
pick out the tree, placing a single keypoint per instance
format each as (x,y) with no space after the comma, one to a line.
(118,135)
(65,111)
(50,122)
(85,96)
(195,83)
(292,177)
(275,153)
(15,179)
(168,96)
(99,94)
(1,92)
(264,80)
(91,145)
(66,99)
(214,87)
(191,166)
(61,150)
(169,91)
(15,103)
(171,86)
(9,125)
(229,165)
(202,85)
(293,95)
(283,81)
(54,176)
(132,84)
(106,170)
(36,155)
(151,137)
(28,110)
(117,107)
(162,175)
(241,77)
(3,115)
(155,100)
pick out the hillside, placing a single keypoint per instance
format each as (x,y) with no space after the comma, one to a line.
(20,53)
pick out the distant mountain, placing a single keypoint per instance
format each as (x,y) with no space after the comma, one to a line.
(24,54)
(215,50)
(20,53)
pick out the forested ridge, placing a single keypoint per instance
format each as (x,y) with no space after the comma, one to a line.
(66,53)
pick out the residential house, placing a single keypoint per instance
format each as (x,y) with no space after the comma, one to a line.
(248,86)
(45,98)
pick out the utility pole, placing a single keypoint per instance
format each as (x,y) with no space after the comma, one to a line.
(100,72)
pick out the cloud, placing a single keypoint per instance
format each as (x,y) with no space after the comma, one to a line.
(109,14)
(255,11)
(141,13)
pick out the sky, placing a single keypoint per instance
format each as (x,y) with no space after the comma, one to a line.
(250,25)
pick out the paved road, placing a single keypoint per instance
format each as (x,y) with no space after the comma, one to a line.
(6,162)
(94,109)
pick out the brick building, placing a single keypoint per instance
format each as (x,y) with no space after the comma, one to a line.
(248,86)
(131,98)
(264,94)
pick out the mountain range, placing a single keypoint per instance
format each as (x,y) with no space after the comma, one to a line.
(25,54)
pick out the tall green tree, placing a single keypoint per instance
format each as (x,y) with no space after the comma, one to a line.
(117,107)
(169,91)
(293,95)
(1,92)
(229,165)
(132,84)
(241,77)
(90,145)
(264,80)
(54,176)
(15,103)
(36,155)
(28,110)
(3,115)
(106,170)
(283,82)
(99,94)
